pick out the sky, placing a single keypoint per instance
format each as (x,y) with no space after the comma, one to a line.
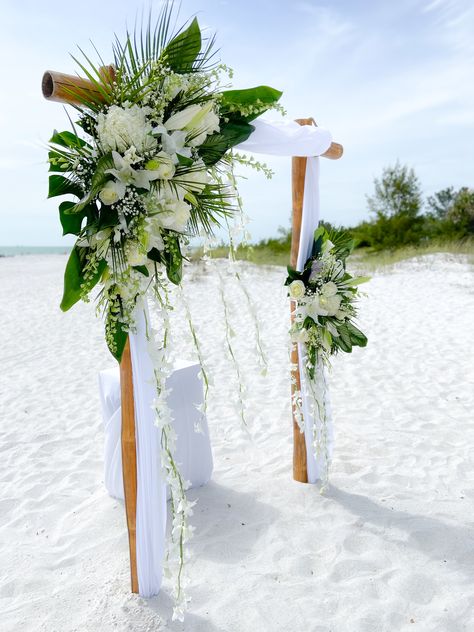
(391,81)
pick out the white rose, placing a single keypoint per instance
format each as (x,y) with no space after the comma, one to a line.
(112,192)
(122,128)
(329,289)
(297,289)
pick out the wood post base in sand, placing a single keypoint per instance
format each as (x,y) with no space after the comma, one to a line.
(129,458)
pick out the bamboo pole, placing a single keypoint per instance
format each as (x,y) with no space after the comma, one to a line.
(300,469)
(56,86)
(298,170)
(129,458)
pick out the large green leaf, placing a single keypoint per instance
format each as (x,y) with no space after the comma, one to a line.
(68,139)
(59,185)
(263,96)
(72,224)
(357,337)
(183,50)
(74,277)
(98,180)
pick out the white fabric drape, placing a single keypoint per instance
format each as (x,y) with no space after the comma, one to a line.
(280,138)
(193,449)
(288,138)
(315,465)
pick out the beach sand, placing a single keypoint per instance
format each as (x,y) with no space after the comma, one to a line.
(389,547)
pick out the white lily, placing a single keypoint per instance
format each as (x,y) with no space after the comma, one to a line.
(175,143)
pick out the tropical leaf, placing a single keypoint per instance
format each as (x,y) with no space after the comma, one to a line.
(68,139)
(173,260)
(74,277)
(260,95)
(72,223)
(183,50)
(216,145)
(357,337)
(59,185)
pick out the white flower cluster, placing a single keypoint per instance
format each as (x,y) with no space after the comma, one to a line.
(147,157)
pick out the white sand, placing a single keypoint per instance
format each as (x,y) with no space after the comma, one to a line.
(389,548)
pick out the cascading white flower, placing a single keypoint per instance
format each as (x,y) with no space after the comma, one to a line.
(123,127)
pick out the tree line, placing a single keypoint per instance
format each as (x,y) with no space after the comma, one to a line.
(399,215)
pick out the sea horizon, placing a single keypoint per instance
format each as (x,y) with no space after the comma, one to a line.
(12,251)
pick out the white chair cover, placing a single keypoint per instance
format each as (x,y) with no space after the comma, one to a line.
(193,449)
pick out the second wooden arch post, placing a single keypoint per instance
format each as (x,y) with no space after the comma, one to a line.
(298,174)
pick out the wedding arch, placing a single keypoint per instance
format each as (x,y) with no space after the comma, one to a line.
(118,172)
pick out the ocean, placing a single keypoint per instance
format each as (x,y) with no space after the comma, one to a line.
(11,251)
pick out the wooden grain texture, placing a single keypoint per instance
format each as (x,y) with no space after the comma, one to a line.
(57,86)
(129,458)
(300,472)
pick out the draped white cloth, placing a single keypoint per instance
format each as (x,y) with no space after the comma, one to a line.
(193,449)
(280,138)
(288,138)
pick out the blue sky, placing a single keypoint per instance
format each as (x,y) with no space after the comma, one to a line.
(391,80)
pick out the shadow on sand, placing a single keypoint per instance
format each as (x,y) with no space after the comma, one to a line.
(438,540)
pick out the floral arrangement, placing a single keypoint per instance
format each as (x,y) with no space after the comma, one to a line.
(149,164)
(325,296)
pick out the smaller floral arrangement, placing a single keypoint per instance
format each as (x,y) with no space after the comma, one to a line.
(325,295)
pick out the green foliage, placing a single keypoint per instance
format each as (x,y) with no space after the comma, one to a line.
(183,50)
(60,185)
(216,145)
(397,192)
(250,102)
(116,335)
(72,223)
(74,277)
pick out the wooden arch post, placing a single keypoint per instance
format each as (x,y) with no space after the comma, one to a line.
(74,90)
(298,172)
